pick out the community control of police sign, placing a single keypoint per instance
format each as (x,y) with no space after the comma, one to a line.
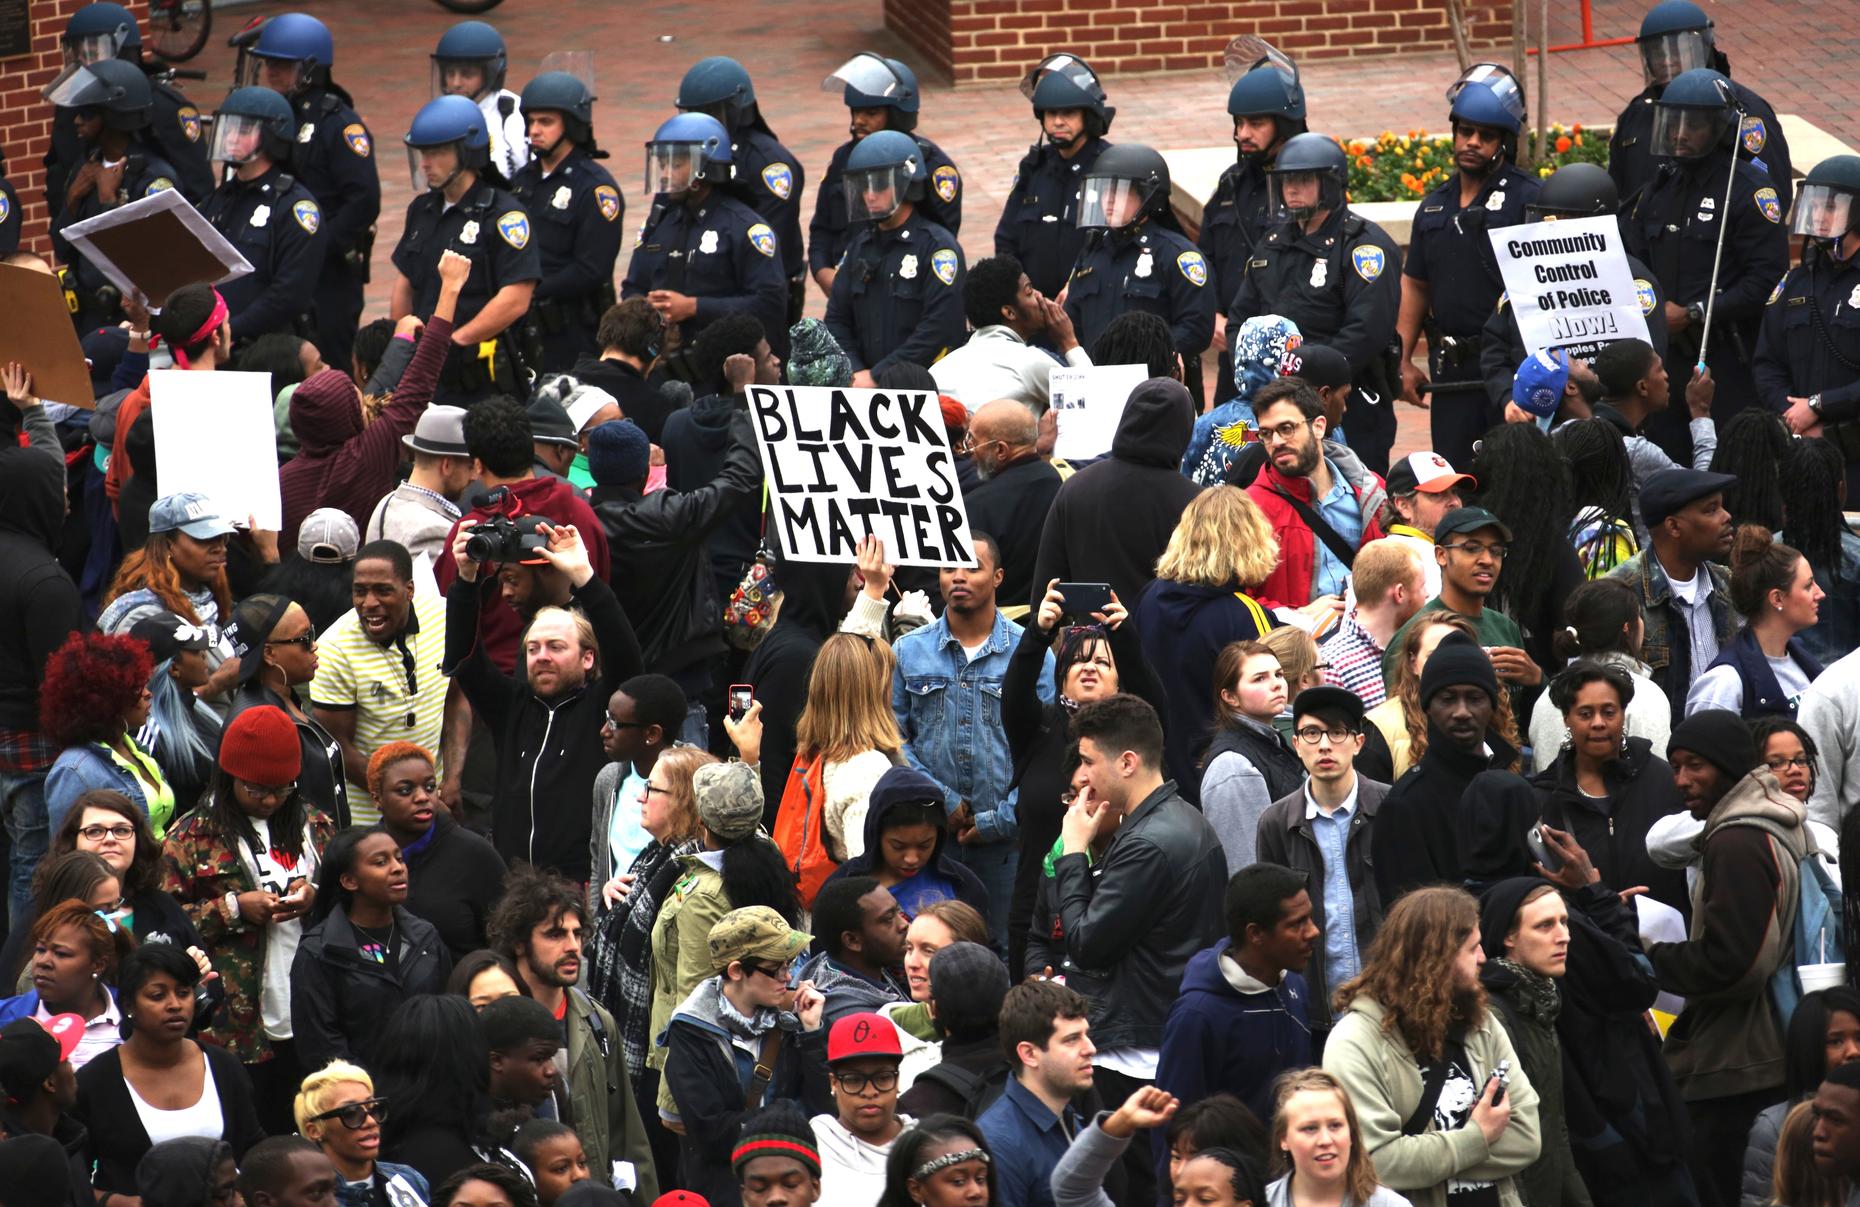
(1569,285)
(845,463)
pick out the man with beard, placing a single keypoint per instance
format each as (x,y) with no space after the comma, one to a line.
(1450,279)
(539,926)
(1018,488)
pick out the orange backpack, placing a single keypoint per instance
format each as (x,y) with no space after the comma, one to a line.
(800,828)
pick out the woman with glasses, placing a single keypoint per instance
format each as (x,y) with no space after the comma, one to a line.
(159,1085)
(855,1138)
(338,1111)
(454,875)
(277,654)
(363,953)
(94,699)
(241,865)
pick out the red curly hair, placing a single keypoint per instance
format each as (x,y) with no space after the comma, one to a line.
(91,681)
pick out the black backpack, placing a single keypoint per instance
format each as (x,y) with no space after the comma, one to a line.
(978,1091)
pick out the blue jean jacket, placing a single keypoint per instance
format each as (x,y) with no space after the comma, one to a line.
(949,711)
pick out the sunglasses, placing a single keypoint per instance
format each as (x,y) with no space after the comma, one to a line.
(355,1115)
(306,638)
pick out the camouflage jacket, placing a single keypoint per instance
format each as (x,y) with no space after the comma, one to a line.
(200,865)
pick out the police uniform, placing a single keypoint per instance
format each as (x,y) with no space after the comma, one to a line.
(277,226)
(1149,268)
(576,214)
(1501,344)
(98,301)
(1760,142)
(1810,338)
(9,216)
(175,128)
(722,254)
(898,295)
(1674,229)
(831,230)
(1448,250)
(1232,223)
(1342,286)
(776,183)
(490,228)
(334,158)
(1039,223)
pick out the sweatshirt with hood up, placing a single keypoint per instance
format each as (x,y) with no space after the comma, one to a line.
(942,859)
(39,603)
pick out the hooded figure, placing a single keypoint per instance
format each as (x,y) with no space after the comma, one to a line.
(813,601)
(898,788)
(1111,520)
(39,603)
(1495,811)
(179,1173)
(1259,352)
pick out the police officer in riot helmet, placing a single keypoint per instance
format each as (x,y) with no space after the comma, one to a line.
(898,293)
(112,103)
(1335,274)
(774,178)
(1575,190)
(9,213)
(1267,103)
(577,212)
(881,94)
(703,252)
(1450,280)
(1039,223)
(334,159)
(103,32)
(1675,37)
(1676,228)
(1136,258)
(455,207)
(470,61)
(267,214)
(1808,354)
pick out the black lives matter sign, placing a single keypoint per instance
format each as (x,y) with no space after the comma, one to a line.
(845,463)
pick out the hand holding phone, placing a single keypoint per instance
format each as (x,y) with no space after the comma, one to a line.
(742,695)
(1082,600)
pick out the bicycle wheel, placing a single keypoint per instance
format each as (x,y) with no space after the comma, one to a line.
(470,6)
(178,29)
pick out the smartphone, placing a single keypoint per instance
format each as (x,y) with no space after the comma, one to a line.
(1541,850)
(1503,1074)
(1083,599)
(742,695)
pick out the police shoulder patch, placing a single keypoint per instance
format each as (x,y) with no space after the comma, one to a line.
(160,184)
(1368,260)
(1768,204)
(356,135)
(1643,293)
(189,118)
(779,178)
(6,206)
(1752,133)
(308,215)
(514,227)
(944,264)
(946,181)
(607,198)
(1193,267)
(1776,293)
(762,239)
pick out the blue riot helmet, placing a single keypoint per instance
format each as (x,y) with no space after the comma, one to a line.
(684,150)
(719,86)
(1695,116)
(100,31)
(1827,202)
(560,92)
(1675,37)
(117,89)
(292,38)
(469,61)
(871,82)
(1487,95)
(252,121)
(1125,184)
(1575,190)
(884,170)
(1265,84)
(1309,177)
(446,123)
(1065,81)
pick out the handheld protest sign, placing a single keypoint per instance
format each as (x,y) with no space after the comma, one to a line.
(38,334)
(1090,403)
(1569,285)
(846,463)
(155,245)
(236,463)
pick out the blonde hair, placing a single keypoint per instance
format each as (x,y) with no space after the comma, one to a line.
(1297,654)
(584,633)
(314,1095)
(681,763)
(1380,565)
(1222,540)
(1359,1172)
(848,708)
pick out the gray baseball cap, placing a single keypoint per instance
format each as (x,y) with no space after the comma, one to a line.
(328,535)
(193,514)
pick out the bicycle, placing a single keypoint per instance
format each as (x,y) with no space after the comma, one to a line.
(179,29)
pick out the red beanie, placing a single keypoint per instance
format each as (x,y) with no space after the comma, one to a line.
(260,746)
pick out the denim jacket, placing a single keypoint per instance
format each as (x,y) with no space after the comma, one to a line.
(949,711)
(1666,646)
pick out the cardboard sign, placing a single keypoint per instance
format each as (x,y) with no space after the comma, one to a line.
(1569,285)
(1089,402)
(214,434)
(845,463)
(38,334)
(155,245)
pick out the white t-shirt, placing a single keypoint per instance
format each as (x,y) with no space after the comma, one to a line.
(852,1171)
(270,869)
(1720,686)
(203,1119)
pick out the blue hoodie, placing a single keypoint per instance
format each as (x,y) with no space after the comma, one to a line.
(943,862)
(1184,627)
(1229,1033)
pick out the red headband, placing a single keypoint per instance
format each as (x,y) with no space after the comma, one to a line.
(213,321)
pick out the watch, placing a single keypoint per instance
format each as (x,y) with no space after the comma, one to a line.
(1814,403)
(1696,313)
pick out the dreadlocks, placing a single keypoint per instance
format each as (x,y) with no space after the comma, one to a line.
(1811,504)
(1599,474)
(1526,485)
(1751,447)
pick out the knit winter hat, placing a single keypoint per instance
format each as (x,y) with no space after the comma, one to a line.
(1720,737)
(815,357)
(619,453)
(1455,661)
(779,1129)
(260,746)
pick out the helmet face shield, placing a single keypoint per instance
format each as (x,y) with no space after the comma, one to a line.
(1247,52)
(469,78)
(866,74)
(1073,69)
(284,76)
(1299,195)
(77,87)
(93,48)
(874,194)
(1687,131)
(237,138)
(1823,211)
(1109,203)
(1503,84)
(1665,56)
(436,166)
(673,167)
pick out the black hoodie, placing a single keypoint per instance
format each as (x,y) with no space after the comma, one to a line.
(943,861)
(697,443)
(1111,520)
(813,600)
(39,604)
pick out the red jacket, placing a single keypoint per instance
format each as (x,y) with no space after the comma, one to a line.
(1289,585)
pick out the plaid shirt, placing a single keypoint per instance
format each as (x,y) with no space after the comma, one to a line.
(1354,661)
(23,751)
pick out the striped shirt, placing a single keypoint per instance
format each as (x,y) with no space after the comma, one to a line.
(395,690)
(1354,661)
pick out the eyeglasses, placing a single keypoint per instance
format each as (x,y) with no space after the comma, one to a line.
(1311,735)
(259,792)
(778,974)
(855,1083)
(355,1115)
(1480,549)
(122,833)
(1283,432)
(652,789)
(1800,762)
(613,722)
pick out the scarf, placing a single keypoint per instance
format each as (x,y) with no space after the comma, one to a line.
(1537,994)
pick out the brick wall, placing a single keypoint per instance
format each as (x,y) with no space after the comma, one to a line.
(25,118)
(979,41)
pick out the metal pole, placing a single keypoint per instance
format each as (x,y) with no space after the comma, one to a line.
(1724,216)
(1543,80)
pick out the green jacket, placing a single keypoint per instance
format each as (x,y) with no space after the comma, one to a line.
(681,944)
(601,1097)
(1384,1082)
(1551,1180)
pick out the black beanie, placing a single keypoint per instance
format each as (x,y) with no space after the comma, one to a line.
(1455,661)
(1498,905)
(780,1129)
(1721,738)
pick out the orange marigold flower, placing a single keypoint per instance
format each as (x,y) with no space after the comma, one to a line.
(1576,129)
(1562,145)
(1363,161)
(1578,140)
